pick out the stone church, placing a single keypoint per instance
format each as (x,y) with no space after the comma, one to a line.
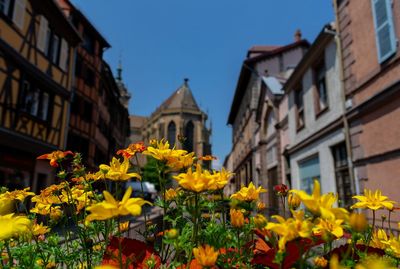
(179,115)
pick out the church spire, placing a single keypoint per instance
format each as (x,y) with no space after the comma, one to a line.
(119,70)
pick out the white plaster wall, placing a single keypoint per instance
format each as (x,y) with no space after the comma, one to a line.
(326,161)
(312,123)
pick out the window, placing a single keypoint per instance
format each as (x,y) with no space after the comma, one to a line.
(5,7)
(160,131)
(90,79)
(34,101)
(55,49)
(78,66)
(51,44)
(19,13)
(343,183)
(321,95)
(88,43)
(171,133)
(309,171)
(298,99)
(384,29)
(87,111)
(189,135)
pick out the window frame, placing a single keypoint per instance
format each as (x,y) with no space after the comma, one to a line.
(39,99)
(299,95)
(392,31)
(320,65)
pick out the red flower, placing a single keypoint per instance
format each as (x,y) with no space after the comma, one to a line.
(265,255)
(55,157)
(281,189)
(135,254)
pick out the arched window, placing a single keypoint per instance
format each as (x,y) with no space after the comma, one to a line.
(171,133)
(189,134)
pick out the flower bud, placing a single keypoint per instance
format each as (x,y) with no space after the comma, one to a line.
(293,201)
(320,262)
(260,221)
(237,218)
(171,233)
(358,222)
(260,206)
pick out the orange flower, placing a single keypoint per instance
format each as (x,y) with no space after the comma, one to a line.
(206,256)
(237,218)
(132,149)
(207,158)
(55,156)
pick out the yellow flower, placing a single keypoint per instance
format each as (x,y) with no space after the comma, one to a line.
(6,206)
(373,201)
(394,245)
(358,222)
(124,226)
(118,170)
(13,226)
(260,221)
(206,256)
(110,208)
(293,201)
(248,194)
(290,228)
(51,265)
(220,179)
(379,239)
(320,262)
(197,181)
(180,160)
(19,195)
(321,205)
(261,206)
(170,194)
(161,151)
(97,247)
(375,262)
(329,226)
(335,264)
(237,218)
(39,229)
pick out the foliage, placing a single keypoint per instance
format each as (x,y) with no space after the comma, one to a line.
(73,225)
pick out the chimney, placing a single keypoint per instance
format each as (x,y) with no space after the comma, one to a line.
(297,35)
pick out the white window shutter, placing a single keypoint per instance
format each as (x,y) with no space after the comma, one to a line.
(41,38)
(384,29)
(64,55)
(19,13)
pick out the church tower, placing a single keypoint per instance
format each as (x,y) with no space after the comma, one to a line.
(179,115)
(123,90)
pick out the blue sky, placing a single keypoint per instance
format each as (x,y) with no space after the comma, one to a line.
(161,42)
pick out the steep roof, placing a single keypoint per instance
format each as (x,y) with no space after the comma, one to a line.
(182,98)
(247,70)
(137,121)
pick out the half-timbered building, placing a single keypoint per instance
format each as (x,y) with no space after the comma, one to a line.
(37,50)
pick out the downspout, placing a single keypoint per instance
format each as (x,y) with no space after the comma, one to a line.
(354,183)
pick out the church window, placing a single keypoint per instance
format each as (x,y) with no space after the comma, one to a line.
(189,135)
(171,133)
